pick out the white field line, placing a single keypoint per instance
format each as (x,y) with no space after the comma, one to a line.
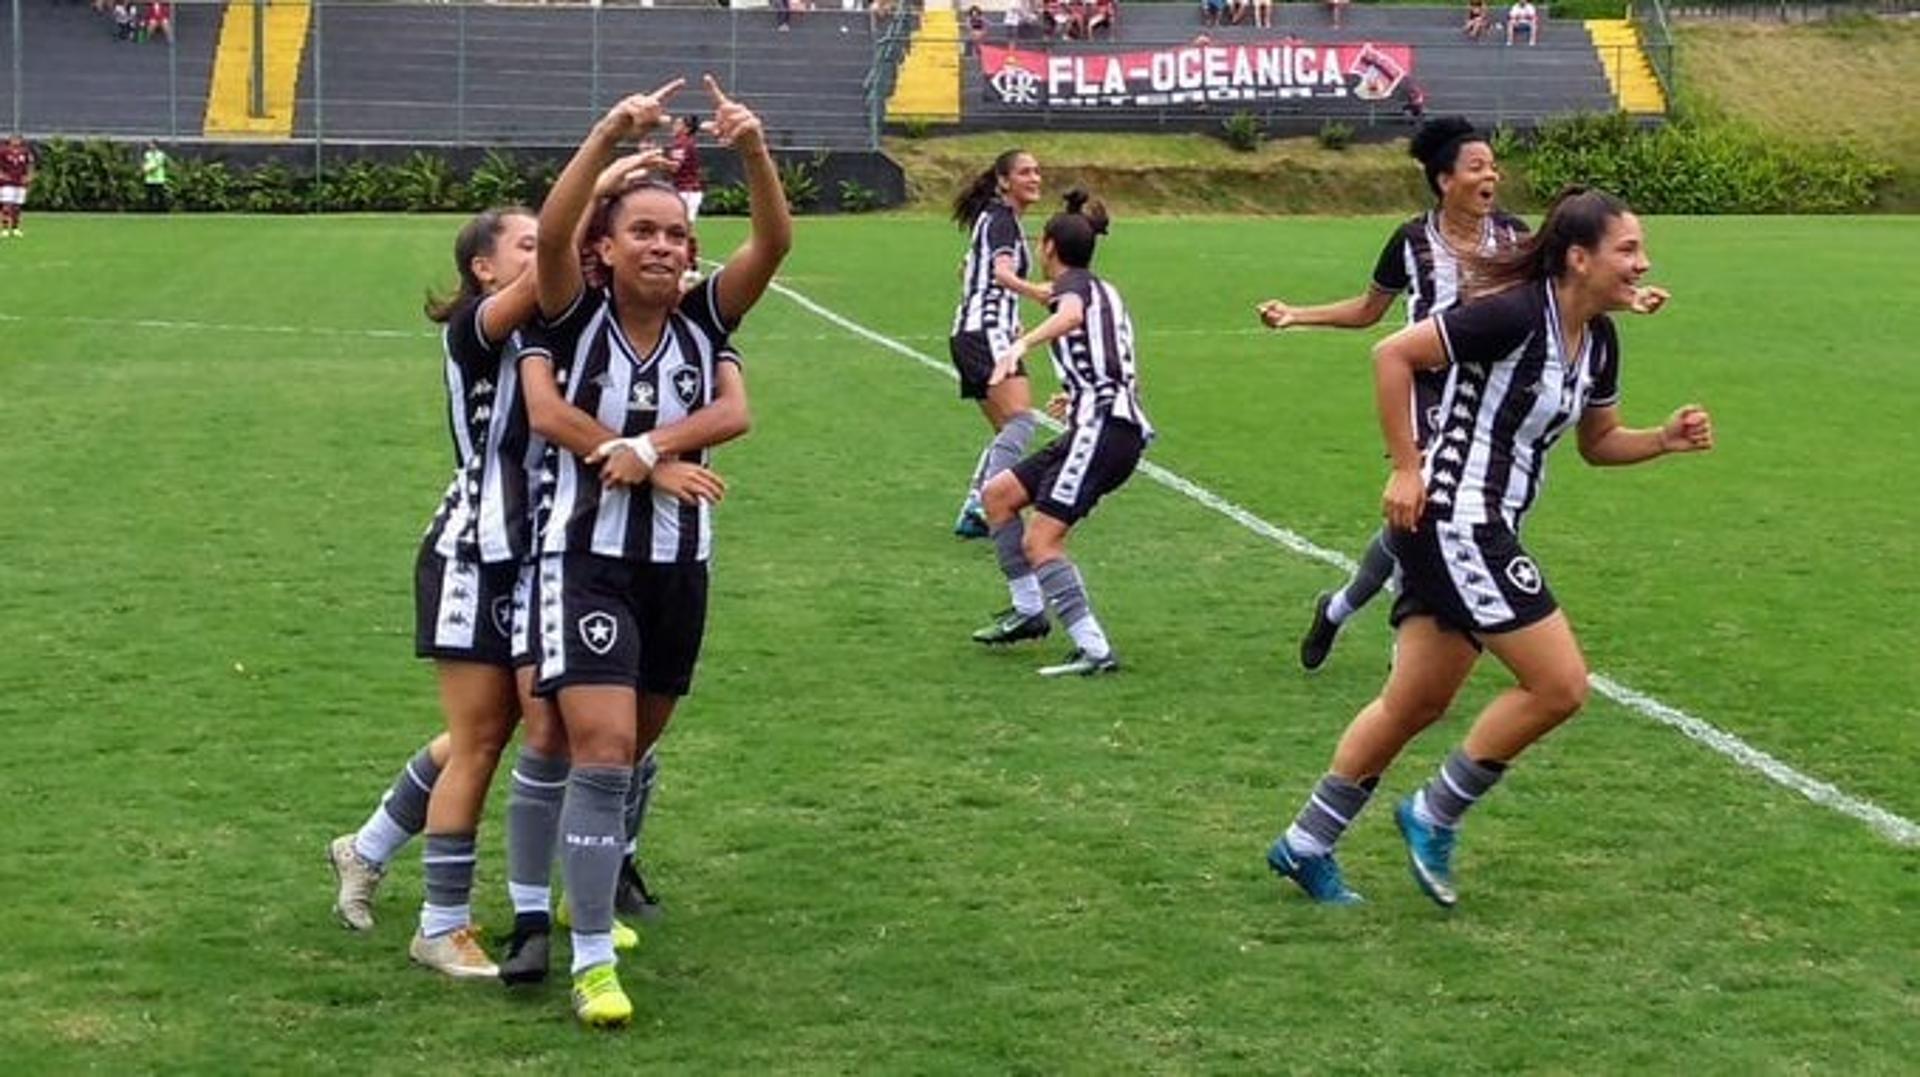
(1895,828)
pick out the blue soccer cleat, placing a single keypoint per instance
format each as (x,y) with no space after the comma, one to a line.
(972,522)
(1319,876)
(1429,853)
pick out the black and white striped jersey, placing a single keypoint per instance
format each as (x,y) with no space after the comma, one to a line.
(632,394)
(485,515)
(1419,261)
(984,304)
(1515,391)
(1095,362)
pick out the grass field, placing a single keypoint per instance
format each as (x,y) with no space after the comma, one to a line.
(881,848)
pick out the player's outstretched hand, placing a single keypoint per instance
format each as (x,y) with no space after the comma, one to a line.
(1649,298)
(733,123)
(639,114)
(1689,430)
(688,483)
(1006,363)
(632,166)
(1275,314)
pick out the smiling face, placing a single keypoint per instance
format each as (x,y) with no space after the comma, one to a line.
(1611,271)
(512,255)
(1474,181)
(1020,186)
(646,246)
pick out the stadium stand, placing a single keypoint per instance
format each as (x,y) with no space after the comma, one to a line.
(77,80)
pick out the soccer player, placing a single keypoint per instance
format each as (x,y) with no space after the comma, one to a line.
(622,592)
(1092,343)
(993,278)
(1533,359)
(17,164)
(1427,258)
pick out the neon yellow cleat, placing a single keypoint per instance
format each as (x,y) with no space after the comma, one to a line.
(598,999)
(625,939)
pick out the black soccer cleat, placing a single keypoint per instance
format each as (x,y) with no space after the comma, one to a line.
(1012,626)
(1317,644)
(631,896)
(526,958)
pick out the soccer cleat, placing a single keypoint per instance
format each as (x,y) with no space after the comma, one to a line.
(1319,876)
(972,522)
(456,954)
(599,1000)
(1429,853)
(358,878)
(1317,644)
(1080,664)
(1012,626)
(528,950)
(631,896)
(624,937)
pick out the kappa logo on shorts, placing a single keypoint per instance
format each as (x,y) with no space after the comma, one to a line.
(503,614)
(686,385)
(1524,574)
(599,631)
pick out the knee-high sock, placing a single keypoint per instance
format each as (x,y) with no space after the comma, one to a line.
(402,812)
(1330,809)
(1375,569)
(446,862)
(1009,545)
(1459,786)
(639,797)
(533,829)
(593,828)
(1004,449)
(1067,593)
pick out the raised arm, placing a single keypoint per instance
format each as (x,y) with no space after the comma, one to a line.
(770,237)
(1606,443)
(1358,312)
(559,255)
(510,307)
(1395,359)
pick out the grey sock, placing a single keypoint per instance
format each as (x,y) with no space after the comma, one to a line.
(592,828)
(1459,785)
(1066,593)
(1330,809)
(1008,446)
(539,787)
(1009,544)
(406,801)
(640,794)
(446,863)
(1376,568)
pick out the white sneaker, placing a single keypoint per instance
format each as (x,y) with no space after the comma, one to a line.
(359,878)
(456,954)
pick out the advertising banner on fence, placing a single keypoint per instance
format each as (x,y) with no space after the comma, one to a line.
(1193,74)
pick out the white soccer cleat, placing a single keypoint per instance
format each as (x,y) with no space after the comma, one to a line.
(359,878)
(456,954)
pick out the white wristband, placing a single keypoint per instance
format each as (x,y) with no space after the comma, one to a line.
(642,447)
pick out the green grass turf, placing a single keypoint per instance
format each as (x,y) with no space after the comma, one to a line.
(882,848)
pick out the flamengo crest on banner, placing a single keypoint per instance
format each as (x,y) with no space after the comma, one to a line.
(1193,74)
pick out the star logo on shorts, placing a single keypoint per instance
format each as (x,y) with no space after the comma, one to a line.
(598,631)
(503,614)
(1524,574)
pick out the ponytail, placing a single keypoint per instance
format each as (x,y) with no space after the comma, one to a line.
(1077,229)
(978,194)
(1578,217)
(476,240)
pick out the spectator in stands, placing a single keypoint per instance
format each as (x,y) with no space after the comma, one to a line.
(879,14)
(976,28)
(16,179)
(1337,9)
(1237,11)
(1053,19)
(1263,14)
(685,155)
(1413,99)
(1074,14)
(153,176)
(1522,14)
(1476,25)
(1102,16)
(783,15)
(1211,10)
(123,19)
(160,20)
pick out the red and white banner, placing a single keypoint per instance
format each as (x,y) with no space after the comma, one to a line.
(1192,74)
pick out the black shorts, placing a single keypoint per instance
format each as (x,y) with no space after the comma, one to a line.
(1472,578)
(1068,477)
(973,354)
(607,621)
(462,610)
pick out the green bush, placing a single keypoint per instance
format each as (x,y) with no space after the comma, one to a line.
(801,181)
(273,188)
(1243,131)
(426,184)
(99,176)
(1335,135)
(856,197)
(201,186)
(726,200)
(497,181)
(1692,168)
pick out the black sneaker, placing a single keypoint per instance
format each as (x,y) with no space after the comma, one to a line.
(1079,663)
(1317,644)
(1012,626)
(526,958)
(631,896)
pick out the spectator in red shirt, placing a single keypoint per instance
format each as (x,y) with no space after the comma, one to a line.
(1102,16)
(160,20)
(16,177)
(685,154)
